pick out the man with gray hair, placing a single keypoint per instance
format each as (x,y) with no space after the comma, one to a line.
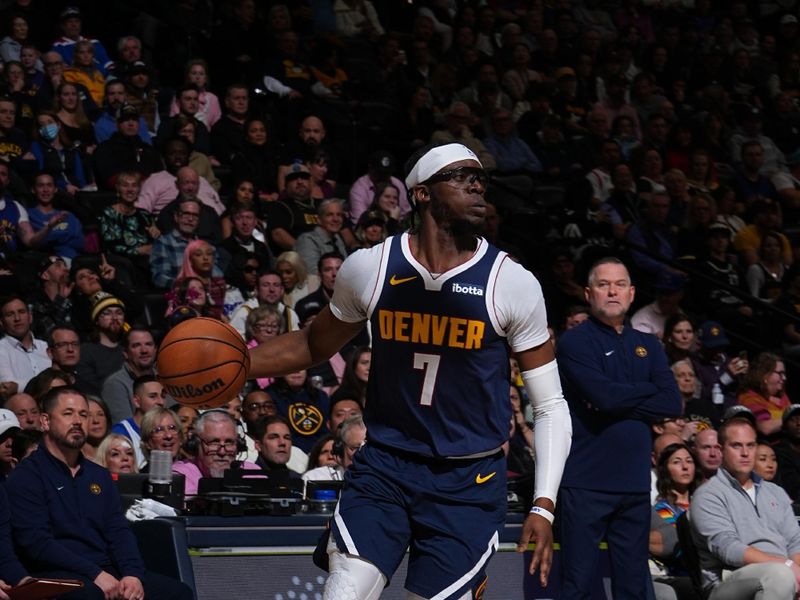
(217,445)
(325,237)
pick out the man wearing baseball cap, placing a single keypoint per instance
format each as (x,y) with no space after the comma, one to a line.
(9,425)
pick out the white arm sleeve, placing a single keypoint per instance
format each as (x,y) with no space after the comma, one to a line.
(356,282)
(276,87)
(552,428)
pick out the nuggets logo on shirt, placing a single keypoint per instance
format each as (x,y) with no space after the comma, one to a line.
(305,419)
(95,488)
(424,328)
(641,351)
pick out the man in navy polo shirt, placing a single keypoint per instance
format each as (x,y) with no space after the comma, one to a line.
(66,513)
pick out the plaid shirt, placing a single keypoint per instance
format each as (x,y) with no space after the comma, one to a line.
(166,258)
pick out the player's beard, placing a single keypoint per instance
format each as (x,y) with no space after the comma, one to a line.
(458,227)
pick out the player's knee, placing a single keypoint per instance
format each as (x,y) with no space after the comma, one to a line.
(353,578)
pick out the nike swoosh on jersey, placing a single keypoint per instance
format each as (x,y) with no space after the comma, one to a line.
(479,479)
(395,281)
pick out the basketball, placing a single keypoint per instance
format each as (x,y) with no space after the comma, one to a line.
(203,362)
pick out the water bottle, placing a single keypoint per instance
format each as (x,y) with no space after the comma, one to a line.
(717,397)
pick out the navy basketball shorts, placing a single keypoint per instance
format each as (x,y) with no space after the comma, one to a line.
(447,512)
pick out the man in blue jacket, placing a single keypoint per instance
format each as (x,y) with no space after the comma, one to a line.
(616,381)
(66,515)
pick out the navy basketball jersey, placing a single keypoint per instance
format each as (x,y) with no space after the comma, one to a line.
(439,378)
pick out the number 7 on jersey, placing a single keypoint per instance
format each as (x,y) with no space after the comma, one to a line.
(429,363)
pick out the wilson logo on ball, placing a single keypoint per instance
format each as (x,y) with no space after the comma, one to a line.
(190,391)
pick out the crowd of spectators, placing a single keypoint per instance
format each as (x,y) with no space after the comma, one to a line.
(161,161)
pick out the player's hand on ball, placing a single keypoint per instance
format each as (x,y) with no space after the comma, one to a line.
(538,530)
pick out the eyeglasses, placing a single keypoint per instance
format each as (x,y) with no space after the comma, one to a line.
(259,407)
(215,445)
(60,345)
(462,176)
(781,374)
(159,430)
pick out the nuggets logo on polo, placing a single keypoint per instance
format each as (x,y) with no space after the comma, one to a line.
(95,488)
(305,419)
(641,351)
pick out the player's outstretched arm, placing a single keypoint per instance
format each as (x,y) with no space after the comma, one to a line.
(302,349)
(552,439)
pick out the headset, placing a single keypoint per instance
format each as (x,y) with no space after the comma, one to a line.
(192,443)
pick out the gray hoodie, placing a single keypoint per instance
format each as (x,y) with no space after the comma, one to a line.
(725,522)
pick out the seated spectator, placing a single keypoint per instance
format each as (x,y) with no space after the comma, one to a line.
(707,450)
(116,454)
(129,51)
(70,105)
(718,372)
(679,337)
(699,218)
(187,187)
(677,479)
(124,151)
(749,182)
(50,302)
(114,98)
(160,429)
(69,537)
(11,45)
(161,188)
(297,282)
(321,455)
(652,317)
(600,177)
(142,93)
(208,112)
(26,409)
(64,233)
(255,161)
(22,356)
(764,393)
(91,276)
(126,230)
(364,189)
(294,213)
(305,406)
(701,176)
(269,292)
(766,464)
(371,229)
(12,573)
(274,444)
(9,426)
(357,18)
(520,457)
(98,426)
(199,263)
(317,162)
(328,267)
(102,355)
(765,217)
(750,132)
(241,279)
(354,378)
(55,155)
(325,237)
(70,23)
(84,72)
(216,445)
(43,382)
(243,237)
(139,357)
(350,436)
(758,548)
(188,99)
(510,152)
(168,250)
(227,135)
(148,393)
(201,163)
(457,119)
(688,386)
(652,233)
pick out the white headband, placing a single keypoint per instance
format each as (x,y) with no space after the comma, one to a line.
(433,160)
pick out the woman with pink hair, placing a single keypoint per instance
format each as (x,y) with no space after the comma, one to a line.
(198,263)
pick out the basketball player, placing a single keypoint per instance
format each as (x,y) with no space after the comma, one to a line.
(445,306)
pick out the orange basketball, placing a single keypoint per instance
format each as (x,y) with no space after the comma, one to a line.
(203,362)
